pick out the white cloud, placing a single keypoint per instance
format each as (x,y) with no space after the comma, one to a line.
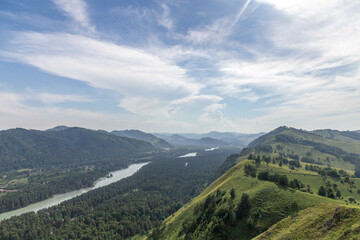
(77,10)
(145,83)
(50,98)
(302,8)
(304,69)
(311,73)
(165,19)
(14,112)
(217,31)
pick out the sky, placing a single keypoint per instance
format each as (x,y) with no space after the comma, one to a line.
(180,66)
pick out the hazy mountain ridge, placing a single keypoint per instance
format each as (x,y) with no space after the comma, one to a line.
(57,128)
(208,139)
(21,148)
(137,134)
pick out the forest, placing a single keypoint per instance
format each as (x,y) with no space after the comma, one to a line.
(123,209)
(35,165)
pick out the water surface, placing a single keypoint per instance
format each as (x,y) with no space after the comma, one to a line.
(193,154)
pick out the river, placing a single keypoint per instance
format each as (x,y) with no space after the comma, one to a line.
(55,200)
(193,154)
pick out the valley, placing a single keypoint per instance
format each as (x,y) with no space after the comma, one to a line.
(179,120)
(199,192)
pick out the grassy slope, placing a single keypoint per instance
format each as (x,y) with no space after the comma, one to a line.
(352,144)
(326,221)
(271,200)
(315,180)
(347,144)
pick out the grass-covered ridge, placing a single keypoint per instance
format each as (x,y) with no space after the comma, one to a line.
(213,214)
(325,147)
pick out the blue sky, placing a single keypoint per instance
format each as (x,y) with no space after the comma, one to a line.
(180,66)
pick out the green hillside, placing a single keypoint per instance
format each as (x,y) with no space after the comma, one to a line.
(278,175)
(212,215)
(21,148)
(326,221)
(325,147)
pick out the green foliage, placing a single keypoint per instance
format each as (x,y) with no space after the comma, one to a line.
(257,161)
(123,209)
(60,161)
(269,204)
(264,175)
(22,148)
(250,170)
(232,193)
(244,207)
(282,180)
(322,191)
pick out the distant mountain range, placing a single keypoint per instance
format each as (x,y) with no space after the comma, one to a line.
(211,139)
(168,140)
(177,139)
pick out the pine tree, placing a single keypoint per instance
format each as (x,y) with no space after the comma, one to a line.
(322,191)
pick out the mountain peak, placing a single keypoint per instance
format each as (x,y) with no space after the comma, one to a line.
(58,128)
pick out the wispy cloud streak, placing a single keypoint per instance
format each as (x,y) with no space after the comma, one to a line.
(77,10)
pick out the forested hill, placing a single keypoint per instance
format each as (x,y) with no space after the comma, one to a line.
(156,141)
(21,148)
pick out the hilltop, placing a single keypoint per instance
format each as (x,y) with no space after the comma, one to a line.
(137,134)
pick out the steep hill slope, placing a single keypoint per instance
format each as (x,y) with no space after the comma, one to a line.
(214,214)
(155,141)
(326,221)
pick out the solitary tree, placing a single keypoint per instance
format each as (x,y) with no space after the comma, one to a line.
(338,193)
(322,191)
(283,181)
(258,160)
(232,193)
(244,206)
